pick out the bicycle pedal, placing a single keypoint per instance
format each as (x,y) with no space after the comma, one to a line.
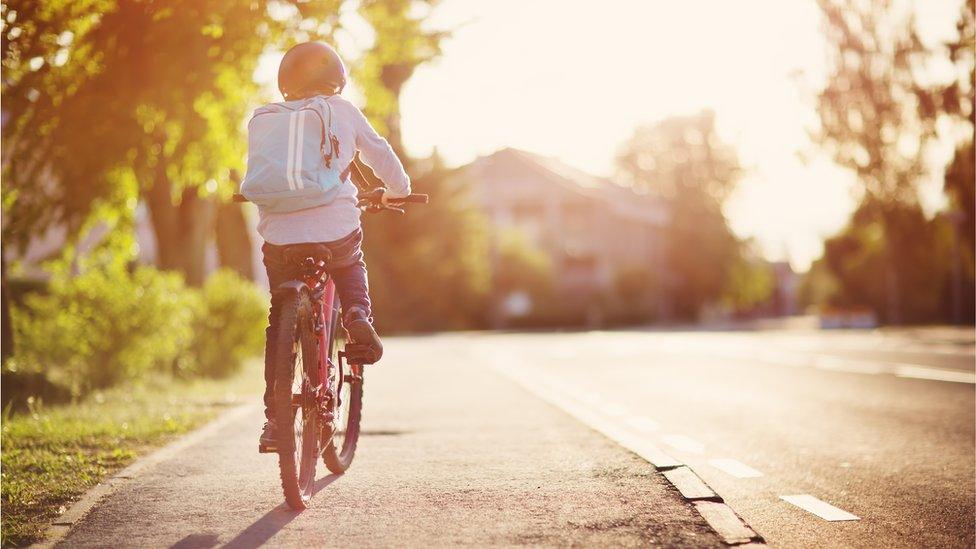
(267,449)
(356,353)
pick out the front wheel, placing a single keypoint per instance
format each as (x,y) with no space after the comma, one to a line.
(295,408)
(340,448)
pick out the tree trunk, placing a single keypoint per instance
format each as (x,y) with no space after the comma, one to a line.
(394,77)
(234,249)
(892,278)
(182,230)
(7,337)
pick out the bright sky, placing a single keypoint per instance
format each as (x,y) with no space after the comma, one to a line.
(571,79)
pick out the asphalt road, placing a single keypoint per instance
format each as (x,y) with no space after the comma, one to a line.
(860,421)
(461,447)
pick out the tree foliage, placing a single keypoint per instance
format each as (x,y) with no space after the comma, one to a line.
(880,110)
(114,100)
(428,269)
(750,283)
(960,177)
(401,44)
(683,160)
(871,118)
(857,255)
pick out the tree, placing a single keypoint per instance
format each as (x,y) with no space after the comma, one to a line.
(682,159)
(751,281)
(520,269)
(55,166)
(428,269)
(401,45)
(861,250)
(113,101)
(233,239)
(958,100)
(878,113)
(871,120)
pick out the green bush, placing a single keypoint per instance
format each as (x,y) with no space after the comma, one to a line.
(104,325)
(230,314)
(109,324)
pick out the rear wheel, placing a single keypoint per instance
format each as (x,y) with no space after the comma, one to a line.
(340,448)
(296,414)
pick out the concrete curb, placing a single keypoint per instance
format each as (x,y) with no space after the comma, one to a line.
(719,516)
(727,524)
(691,486)
(60,528)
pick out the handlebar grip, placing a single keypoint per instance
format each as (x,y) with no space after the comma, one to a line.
(238,197)
(414,198)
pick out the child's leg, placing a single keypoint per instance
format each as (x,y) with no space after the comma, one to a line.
(352,285)
(349,273)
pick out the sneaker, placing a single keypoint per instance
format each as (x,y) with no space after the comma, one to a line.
(360,331)
(269,435)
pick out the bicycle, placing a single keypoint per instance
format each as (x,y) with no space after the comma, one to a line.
(318,395)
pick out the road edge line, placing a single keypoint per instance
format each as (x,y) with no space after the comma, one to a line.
(58,530)
(720,521)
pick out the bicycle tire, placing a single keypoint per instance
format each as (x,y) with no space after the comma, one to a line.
(297,455)
(338,457)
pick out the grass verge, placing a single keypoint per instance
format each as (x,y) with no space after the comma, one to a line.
(53,455)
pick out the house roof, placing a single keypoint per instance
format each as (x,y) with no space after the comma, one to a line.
(622,200)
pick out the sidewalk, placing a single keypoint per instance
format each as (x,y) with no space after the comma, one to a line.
(452,454)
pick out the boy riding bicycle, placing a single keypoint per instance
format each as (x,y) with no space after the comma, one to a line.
(311,77)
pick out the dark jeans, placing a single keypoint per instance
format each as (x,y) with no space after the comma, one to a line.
(348,272)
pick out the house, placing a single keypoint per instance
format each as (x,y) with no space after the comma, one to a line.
(592,230)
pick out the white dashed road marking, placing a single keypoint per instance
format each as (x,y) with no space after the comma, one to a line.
(818,507)
(842,364)
(734,467)
(683,443)
(610,428)
(920,372)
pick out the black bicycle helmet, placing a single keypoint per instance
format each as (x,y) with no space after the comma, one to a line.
(311,68)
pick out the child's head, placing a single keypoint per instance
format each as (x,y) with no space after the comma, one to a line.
(311,68)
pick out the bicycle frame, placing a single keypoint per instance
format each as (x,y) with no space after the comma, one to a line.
(326,320)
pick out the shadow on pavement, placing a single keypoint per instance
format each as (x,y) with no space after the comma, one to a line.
(197,541)
(258,533)
(382,433)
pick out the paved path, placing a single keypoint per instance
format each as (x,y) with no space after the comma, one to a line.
(453,454)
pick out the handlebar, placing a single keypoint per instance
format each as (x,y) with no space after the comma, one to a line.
(372,201)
